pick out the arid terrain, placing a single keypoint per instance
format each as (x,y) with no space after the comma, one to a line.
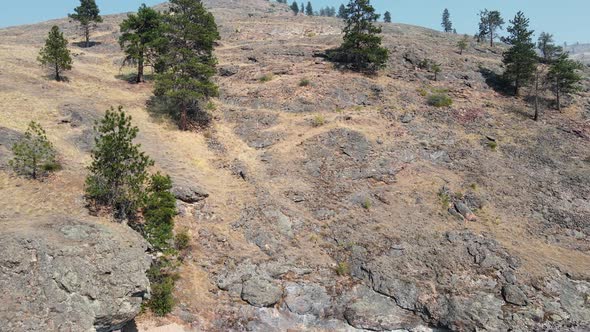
(335,198)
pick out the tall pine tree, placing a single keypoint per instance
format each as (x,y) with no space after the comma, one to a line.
(295,8)
(185,83)
(141,38)
(521,59)
(361,49)
(55,54)
(342,11)
(446,21)
(309,9)
(549,51)
(88,15)
(563,77)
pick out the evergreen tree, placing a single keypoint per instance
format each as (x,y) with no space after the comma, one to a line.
(302,9)
(563,77)
(118,173)
(55,54)
(159,212)
(446,21)
(342,12)
(33,153)
(387,17)
(463,44)
(87,14)
(549,50)
(489,23)
(309,9)
(361,48)
(185,83)
(521,59)
(295,8)
(141,36)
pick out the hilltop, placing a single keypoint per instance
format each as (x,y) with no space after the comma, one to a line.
(329,191)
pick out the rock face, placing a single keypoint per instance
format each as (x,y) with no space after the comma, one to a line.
(70,275)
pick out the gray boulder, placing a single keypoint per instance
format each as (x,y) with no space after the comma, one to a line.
(305,299)
(68,275)
(261,292)
(514,295)
(189,193)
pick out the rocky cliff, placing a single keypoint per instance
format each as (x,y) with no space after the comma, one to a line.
(59,274)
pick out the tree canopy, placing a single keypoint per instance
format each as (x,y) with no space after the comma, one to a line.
(490,22)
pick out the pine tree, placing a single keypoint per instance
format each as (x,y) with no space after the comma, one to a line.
(446,21)
(185,83)
(159,212)
(563,77)
(118,173)
(141,37)
(295,8)
(548,49)
(489,23)
(521,59)
(302,9)
(387,17)
(309,9)
(342,12)
(361,49)
(463,44)
(88,15)
(55,54)
(33,153)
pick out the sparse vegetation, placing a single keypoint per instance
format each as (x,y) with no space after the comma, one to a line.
(318,120)
(159,212)
(118,173)
(342,269)
(463,44)
(445,199)
(34,154)
(88,15)
(182,239)
(440,100)
(55,54)
(266,78)
(367,203)
(304,82)
(493,145)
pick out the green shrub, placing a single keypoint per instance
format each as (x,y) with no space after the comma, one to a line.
(182,239)
(159,212)
(162,285)
(493,145)
(34,154)
(440,100)
(318,120)
(367,203)
(211,106)
(266,78)
(342,269)
(304,82)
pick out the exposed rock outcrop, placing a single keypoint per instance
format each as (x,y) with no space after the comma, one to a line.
(69,275)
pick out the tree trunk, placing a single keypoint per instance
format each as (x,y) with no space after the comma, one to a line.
(87,35)
(183,118)
(516,87)
(491,38)
(558,98)
(57,78)
(140,69)
(536,118)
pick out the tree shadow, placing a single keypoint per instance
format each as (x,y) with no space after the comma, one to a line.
(62,79)
(496,82)
(162,108)
(82,44)
(343,61)
(131,78)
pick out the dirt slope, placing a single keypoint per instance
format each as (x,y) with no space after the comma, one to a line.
(348,173)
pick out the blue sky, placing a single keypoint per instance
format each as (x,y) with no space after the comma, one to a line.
(566,19)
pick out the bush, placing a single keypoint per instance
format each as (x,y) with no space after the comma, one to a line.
(342,269)
(265,78)
(162,284)
(34,154)
(182,239)
(367,203)
(304,82)
(440,100)
(159,212)
(318,120)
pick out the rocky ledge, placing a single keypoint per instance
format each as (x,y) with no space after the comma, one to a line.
(70,275)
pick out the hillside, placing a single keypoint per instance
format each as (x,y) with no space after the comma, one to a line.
(328,202)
